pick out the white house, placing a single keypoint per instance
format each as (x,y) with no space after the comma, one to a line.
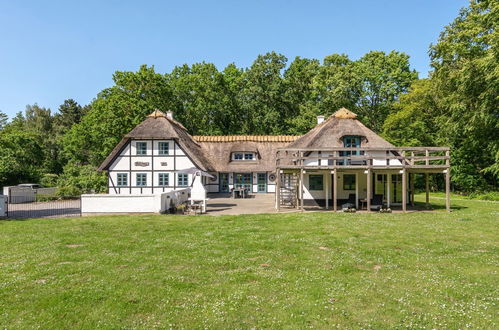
(338,162)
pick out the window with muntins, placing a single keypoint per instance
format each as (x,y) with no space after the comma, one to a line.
(141,179)
(349,182)
(315,182)
(182,180)
(122,179)
(163,179)
(163,148)
(243,156)
(141,148)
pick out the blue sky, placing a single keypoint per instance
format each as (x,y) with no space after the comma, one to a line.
(54,50)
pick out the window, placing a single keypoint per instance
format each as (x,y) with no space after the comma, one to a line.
(141,179)
(182,180)
(122,179)
(163,179)
(315,182)
(141,148)
(163,148)
(349,182)
(351,141)
(243,156)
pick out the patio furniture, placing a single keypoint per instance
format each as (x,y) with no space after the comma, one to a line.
(363,204)
(239,192)
(350,204)
(377,203)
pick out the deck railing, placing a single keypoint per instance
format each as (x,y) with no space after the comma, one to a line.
(380,158)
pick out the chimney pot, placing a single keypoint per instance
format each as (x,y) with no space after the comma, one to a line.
(320,119)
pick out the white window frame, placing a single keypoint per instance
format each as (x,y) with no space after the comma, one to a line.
(163,175)
(137,179)
(180,182)
(161,151)
(137,149)
(119,177)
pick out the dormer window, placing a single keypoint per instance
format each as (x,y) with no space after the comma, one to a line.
(351,141)
(243,156)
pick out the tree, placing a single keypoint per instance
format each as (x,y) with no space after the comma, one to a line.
(70,113)
(465,61)
(3,120)
(383,78)
(264,106)
(115,112)
(414,121)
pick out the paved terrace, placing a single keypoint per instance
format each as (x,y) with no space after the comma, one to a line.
(224,204)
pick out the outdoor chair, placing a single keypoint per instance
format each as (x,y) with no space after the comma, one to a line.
(350,204)
(377,203)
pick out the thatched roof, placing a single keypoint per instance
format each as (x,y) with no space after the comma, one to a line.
(220,155)
(330,133)
(157,126)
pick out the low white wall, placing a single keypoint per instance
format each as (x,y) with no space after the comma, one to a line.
(112,203)
(3,206)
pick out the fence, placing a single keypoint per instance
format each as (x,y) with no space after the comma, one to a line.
(19,208)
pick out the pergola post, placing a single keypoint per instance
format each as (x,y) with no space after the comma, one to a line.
(388,188)
(301,188)
(369,190)
(327,190)
(427,188)
(447,181)
(447,189)
(335,190)
(404,190)
(411,179)
(356,191)
(278,190)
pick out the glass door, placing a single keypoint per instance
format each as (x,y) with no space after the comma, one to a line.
(395,188)
(262,182)
(224,183)
(242,180)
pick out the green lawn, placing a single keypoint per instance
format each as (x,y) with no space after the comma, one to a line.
(417,270)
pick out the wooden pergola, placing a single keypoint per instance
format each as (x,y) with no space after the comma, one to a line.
(408,161)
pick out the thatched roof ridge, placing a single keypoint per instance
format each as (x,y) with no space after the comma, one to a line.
(330,133)
(245,138)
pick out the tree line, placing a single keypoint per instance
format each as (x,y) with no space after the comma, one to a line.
(456,106)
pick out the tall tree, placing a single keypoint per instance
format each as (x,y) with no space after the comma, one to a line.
(383,78)
(466,74)
(115,112)
(3,119)
(263,103)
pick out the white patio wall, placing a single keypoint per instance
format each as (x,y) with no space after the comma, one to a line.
(117,204)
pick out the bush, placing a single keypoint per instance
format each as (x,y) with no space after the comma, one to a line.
(81,179)
(49,180)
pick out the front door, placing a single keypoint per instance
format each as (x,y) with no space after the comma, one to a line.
(242,180)
(262,182)
(224,183)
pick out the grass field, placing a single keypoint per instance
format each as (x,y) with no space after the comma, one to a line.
(323,270)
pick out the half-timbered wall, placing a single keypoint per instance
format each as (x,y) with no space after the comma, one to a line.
(150,164)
